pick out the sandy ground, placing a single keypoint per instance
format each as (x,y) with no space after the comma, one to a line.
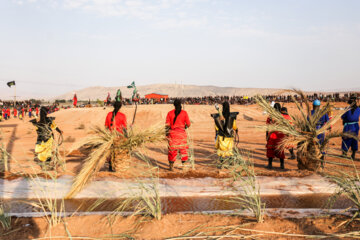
(19,139)
(174,225)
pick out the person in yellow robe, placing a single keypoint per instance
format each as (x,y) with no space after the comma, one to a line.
(225,127)
(45,136)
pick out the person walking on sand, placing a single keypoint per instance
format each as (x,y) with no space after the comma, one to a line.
(351,126)
(177,121)
(116,120)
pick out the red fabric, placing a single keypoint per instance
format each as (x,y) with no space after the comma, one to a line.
(75,100)
(119,122)
(177,135)
(274,141)
(15,112)
(37,111)
(173,153)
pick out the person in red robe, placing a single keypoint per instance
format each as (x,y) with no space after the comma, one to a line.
(177,121)
(15,112)
(116,119)
(75,100)
(274,140)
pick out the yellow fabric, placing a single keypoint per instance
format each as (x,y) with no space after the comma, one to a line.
(44,150)
(225,145)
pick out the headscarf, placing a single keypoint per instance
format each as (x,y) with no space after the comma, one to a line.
(352,102)
(284,111)
(43,115)
(117,106)
(277,106)
(226,112)
(177,104)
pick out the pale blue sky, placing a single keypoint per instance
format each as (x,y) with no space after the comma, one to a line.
(51,47)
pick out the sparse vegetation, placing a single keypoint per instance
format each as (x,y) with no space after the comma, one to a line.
(5,219)
(349,186)
(245,186)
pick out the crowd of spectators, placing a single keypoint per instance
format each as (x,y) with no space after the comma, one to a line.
(243,100)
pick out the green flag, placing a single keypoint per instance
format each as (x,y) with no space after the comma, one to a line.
(118,97)
(132,85)
(12,83)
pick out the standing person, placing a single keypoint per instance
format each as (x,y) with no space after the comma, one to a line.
(30,111)
(75,100)
(273,142)
(15,112)
(322,121)
(225,127)
(45,136)
(177,121)
(351,126)
(115,120)
(37,111)
(5,113)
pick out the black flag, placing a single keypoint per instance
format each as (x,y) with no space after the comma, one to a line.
(12,83)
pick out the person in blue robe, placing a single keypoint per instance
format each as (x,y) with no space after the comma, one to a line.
(322,121)
(351,126)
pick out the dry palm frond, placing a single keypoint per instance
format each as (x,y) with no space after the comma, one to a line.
(5,219)
(302,132)
(146,201)
(348,186)
(104,144)
(248,191)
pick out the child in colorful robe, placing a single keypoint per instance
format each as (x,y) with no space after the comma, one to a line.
(45,136)
(177,121)
(351,126)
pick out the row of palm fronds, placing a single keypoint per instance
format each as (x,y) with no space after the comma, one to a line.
(302,132)
(110,145)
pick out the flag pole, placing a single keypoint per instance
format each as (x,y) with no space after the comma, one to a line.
(14,95)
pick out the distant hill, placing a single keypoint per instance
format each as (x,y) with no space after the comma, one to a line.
(173,90)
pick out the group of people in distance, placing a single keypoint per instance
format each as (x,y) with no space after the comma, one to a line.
(350,120)
(177,121)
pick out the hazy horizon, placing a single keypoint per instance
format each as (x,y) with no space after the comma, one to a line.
(57,46)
